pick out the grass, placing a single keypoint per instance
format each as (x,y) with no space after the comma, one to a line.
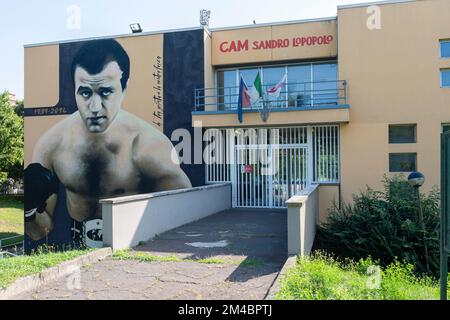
(321,277)
(146,257)
(13,268)
(11,217)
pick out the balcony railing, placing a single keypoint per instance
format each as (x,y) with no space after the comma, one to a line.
(294,95)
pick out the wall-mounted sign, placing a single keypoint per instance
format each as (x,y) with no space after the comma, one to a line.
(246,168)
(248,45)
(291,41)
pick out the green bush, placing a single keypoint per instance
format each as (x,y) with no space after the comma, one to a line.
(385,225)
(3,177)
(323,277)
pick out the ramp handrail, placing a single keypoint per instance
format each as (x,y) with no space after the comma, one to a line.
(11,244)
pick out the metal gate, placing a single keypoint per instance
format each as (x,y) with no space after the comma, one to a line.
(265,176)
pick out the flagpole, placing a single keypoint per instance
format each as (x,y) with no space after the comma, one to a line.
(239,109)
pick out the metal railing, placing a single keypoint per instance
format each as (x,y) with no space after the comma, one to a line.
(6,254)
(293,95)
(11,242)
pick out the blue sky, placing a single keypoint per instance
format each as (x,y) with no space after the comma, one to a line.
(35,21)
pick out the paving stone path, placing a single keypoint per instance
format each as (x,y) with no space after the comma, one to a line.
(248,248)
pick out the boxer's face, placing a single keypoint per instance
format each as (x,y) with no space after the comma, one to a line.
(99,96)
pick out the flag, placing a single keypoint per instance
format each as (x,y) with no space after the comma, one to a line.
(274,92)
(244,98)
(256,92)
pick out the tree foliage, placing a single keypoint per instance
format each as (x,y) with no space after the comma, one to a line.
(385,226)
(11,140)
(19,108)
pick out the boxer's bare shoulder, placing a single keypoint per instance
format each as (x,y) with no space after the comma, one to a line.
(146,138)
(51,140)
(132,123)
(153,153)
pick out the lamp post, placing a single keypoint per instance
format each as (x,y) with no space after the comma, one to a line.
(416,180)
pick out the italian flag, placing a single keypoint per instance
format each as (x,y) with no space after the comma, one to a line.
(256,92)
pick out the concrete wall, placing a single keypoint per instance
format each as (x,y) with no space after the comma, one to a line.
(393,76)
(129,220)
(328,194)
(303,217)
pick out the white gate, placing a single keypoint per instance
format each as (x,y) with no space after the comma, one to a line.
(266,176)
(268,165)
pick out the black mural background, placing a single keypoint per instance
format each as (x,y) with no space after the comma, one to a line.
(183,73)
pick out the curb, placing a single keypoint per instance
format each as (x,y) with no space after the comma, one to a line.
(66,268)
(290,263)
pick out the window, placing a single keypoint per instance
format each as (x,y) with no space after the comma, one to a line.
(445,127)
(271,77)
(402,133)
(307,84)
(445,78)
(325,87)
(226,87)
(299,86)
(402,162)
(325,152)
(249,75)
(445,48)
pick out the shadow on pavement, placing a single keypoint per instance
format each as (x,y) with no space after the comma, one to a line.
(255,239)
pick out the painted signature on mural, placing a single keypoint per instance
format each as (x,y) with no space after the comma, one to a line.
(158,97)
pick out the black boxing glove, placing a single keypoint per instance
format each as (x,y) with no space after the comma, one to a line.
(39,184)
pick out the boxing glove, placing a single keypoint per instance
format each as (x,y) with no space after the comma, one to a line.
(39,184)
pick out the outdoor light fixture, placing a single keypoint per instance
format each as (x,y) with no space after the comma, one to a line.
(416,179)
(205,15)
(135,28)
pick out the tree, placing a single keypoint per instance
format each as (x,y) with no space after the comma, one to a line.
(19,108)
(11,140)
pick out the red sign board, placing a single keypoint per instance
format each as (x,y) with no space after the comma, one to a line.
(246,168)
(246,45)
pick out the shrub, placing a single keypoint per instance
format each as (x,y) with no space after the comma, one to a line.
(385,225)
(323,277)
(3,177)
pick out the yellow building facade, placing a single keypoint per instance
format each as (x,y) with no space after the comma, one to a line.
(347,99)
(389,55)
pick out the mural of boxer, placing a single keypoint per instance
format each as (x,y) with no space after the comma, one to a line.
(100,151)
